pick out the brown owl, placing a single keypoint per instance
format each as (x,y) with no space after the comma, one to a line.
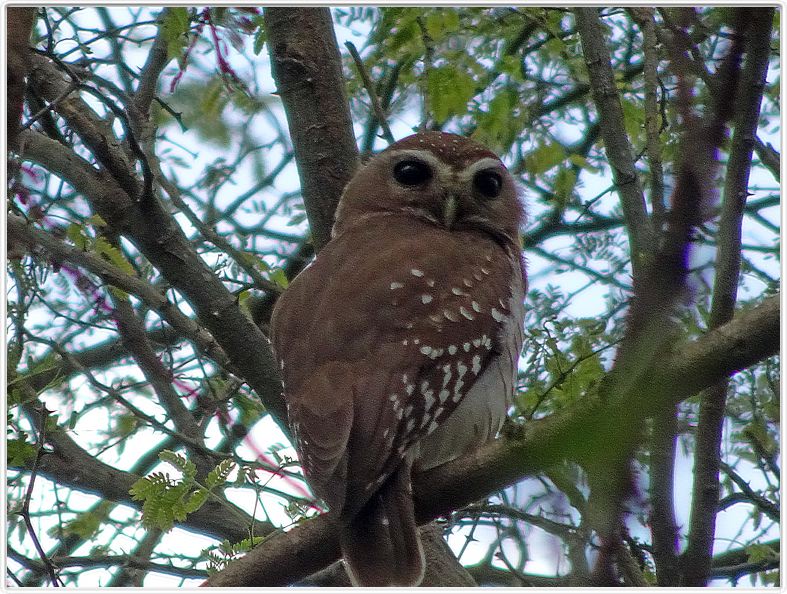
(399,345)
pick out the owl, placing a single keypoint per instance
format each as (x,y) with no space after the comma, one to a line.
(398,345)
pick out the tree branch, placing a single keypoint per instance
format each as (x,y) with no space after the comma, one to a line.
(707,457)
(307,68)
(613,131)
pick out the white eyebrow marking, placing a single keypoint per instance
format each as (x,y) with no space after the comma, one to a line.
(486,163)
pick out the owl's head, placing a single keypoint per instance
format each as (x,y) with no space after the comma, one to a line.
(441,178)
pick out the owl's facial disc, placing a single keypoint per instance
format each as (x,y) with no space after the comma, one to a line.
(446,193)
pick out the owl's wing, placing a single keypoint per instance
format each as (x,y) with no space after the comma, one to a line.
(381,338)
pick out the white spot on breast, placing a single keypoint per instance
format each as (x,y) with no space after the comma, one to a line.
(486,341)
(436,353)
(426,350)
(386,432)
(466,347)
(466,313)
(476,307)
(425,298)
(488,258)
(404,342)
(438,412)
(409,325)
(462,369)
(458,389)
(432,427)
(476,364)
(395,286)
(409,389)
(477,276)
(393,397)
(416,340)
(429,399)
(410,425)
(499,317)
(446,374)
(404,378)
(484,270)
(443,395)
(502,304)
(430,282)
(435,318)
(408,411)
(450,316)
(416,272)
(452,349)
(458,292)
(467,282)
(477,342)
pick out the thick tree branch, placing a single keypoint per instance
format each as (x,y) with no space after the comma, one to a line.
(19,24)
(748,338)
(307,68)
(613,131)
(707,457)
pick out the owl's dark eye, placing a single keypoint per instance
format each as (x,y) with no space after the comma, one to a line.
(412,173)
(488,183)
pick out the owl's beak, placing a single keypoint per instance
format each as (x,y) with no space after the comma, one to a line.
(450,206)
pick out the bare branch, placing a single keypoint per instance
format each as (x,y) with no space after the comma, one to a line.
(613,131)
(697,559)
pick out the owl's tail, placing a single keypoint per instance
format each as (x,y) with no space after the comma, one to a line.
(381,546)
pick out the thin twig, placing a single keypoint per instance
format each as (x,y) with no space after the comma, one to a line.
(367,83)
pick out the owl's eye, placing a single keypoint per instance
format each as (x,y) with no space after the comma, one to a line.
(488,183)
(412,173)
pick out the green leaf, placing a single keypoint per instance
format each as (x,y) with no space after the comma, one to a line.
(19,452)
(180,462)
(176,26)
(278,276)
(113,254)
(449,91)
(259,41)
(76,233)
(196,500)
(544,158)
(218,476)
